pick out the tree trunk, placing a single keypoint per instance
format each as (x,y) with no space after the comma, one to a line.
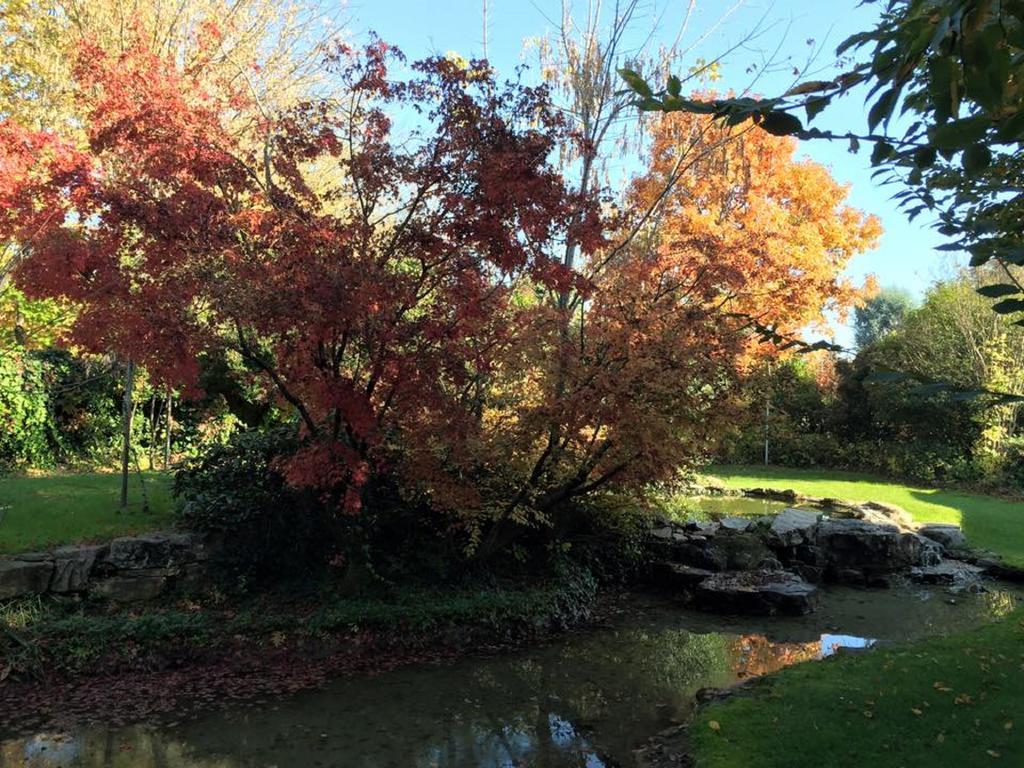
(127,409)
(152,431)
(169,425)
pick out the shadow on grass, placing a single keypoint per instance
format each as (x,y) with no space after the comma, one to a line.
(988,523)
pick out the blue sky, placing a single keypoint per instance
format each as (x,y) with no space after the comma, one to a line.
(906,255)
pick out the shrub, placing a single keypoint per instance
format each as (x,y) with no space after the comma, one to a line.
(23,413)
(269,529)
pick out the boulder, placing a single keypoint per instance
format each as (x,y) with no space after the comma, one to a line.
(857,545)
(703,527)
(677,577)
(931,551)
(788,496)
(699,552)
(950,572)
(949,536)
(884,512)
(73,566)
(792,527)
(743,551)
(25,575)
(999,570)
(737,524)
(756,593)
(151,550)
(132,586)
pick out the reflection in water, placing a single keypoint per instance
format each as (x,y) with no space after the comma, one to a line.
(586,702)
(731,506)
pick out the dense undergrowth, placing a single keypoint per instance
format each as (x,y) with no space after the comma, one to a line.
(46,638)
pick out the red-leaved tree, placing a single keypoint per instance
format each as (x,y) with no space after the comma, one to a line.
(390,260)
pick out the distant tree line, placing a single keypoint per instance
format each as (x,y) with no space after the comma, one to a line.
(854,414)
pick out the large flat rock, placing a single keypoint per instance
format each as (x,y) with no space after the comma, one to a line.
(953,572)
(677,577)
(73,567)
(131,586)
(150,550)
(793,527)
(861,545)
(756,593)
(949,536)
(25,575)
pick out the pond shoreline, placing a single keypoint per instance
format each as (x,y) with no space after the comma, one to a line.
(662,643)
(182,675)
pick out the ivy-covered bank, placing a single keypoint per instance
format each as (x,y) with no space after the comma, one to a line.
(189,651)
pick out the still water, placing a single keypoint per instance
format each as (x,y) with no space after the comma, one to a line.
(586,701)
(732,506)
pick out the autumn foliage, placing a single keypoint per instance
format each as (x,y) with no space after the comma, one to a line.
(390,260)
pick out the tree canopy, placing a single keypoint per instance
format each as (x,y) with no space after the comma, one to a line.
(946,120)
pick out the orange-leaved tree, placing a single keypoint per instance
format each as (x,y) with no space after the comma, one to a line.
(726,230)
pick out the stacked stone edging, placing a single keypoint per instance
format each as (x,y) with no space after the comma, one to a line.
(127,569)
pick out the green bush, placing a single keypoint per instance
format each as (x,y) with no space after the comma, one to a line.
(24,417)
(270,530)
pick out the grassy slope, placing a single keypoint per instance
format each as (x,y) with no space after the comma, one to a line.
(989,523)
(953,701)
(59,509)
(945,702)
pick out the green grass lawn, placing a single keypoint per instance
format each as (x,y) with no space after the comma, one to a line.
(988,522)
(47,510)
(952,701)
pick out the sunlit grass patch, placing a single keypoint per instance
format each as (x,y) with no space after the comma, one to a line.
(40,511)
(989,523)
(953,701)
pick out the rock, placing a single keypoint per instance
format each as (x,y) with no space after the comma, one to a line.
(708,528)
(73,566)
(891,512)
(737,524)
(192,578)
(811,573)
(132,586)
(951,572)
(25,575)
(949,536)
(152,550)
(678,577)
(792,527)
(709,695)
(664,532)
(1000,570)
(701,553)
(703,527)
(931,551)
(743,551)
(862,546)
(758,593)
(788,496)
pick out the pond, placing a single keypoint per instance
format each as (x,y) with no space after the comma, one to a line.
(731,506)
(585,701)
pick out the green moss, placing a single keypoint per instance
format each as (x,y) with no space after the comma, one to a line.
(953,701)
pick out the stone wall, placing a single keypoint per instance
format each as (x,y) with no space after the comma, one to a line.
(128,569)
